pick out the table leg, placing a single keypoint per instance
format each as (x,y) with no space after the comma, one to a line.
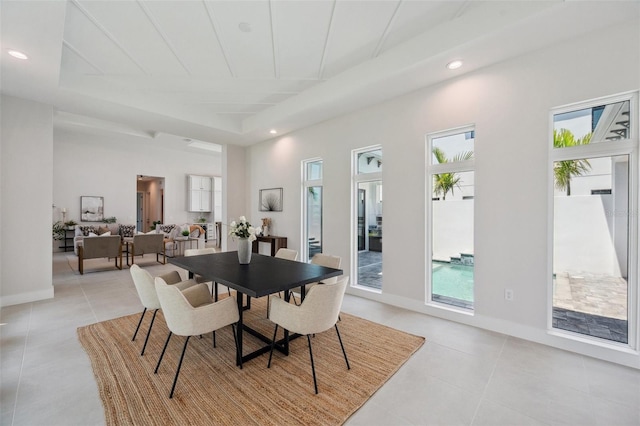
(239,330)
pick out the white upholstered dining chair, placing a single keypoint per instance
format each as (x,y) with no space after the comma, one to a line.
(193,312)
(321,259)
(198,278)
(145,287)
(283,253)
(317,313)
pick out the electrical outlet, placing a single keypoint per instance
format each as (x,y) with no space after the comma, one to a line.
(508,294)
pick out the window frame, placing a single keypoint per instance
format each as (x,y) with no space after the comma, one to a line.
(630,147)
(436,168)
(306,184)
(356,179)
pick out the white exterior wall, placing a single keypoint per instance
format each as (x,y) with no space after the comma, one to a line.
(583,235)
(453,224)
(509,104)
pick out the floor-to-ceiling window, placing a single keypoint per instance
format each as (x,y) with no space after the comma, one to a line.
(312,208)
(367,217)
(450,216)
(594,150)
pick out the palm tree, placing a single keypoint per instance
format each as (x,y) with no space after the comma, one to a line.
(565,170)
(445,182)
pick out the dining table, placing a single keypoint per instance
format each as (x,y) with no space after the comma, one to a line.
(263,276)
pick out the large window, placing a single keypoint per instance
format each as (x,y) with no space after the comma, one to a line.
(594,174)
(450,215)
(312,208)
(367,217)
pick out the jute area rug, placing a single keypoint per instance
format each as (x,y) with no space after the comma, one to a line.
(211,389)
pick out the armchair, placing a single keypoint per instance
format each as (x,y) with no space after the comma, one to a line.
(97,247)
(142,244)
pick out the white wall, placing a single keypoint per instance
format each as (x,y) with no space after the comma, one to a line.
(108,165)
(509,105)
(26,168)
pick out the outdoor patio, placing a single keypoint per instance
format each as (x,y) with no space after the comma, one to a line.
(591,304)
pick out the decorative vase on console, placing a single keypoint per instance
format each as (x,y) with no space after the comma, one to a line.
(266,223)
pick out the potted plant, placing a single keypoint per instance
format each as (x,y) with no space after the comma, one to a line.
(185,233)
(70,224)
(57,230)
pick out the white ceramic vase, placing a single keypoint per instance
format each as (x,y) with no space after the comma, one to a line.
(244,251)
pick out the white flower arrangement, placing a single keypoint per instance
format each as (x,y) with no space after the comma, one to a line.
(242,229)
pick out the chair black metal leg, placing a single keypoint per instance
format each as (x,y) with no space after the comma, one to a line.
(273,344)
(153,318)
(175,380)
(342,346)
(235,338)
(313,368)
(139,322)
(214,339)
(162,354)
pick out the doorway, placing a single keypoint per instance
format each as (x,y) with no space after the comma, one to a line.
(149,202)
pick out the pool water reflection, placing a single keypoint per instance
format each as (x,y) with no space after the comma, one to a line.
(452,284)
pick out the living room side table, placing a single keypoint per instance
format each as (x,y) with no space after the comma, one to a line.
(276,243)
(67,237)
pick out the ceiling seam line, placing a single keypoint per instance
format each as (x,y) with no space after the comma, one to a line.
(387,30)
(274,45)
(219,37)
(108,34)
(461,10)
(81,56)
(156,25)
(326,42)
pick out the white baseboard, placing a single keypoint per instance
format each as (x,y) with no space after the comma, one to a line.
(32,296)
(594,348)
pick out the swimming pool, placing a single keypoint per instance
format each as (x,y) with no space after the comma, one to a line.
(453,282)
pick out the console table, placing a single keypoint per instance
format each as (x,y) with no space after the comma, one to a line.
(276,243)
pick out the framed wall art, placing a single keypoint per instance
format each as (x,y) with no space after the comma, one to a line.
(91,209)
(271,200)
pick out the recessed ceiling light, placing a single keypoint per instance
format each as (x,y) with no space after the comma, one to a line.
(453,65)
(245,27)
(17,54)
(273,131)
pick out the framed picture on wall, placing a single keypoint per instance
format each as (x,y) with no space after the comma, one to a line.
(271,200)
(91,209)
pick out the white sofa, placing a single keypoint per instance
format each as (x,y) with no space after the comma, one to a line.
(85,230)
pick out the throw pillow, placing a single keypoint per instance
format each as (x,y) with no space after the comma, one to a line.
(105,234)
(103,229)
(86,229)
(91,234)
(126,230)
(166,229)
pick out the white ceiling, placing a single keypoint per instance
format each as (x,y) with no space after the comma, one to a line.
(229,71)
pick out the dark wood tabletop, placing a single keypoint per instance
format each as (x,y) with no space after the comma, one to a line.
(263,276)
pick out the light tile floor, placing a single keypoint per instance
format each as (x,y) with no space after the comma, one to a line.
(461,376)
